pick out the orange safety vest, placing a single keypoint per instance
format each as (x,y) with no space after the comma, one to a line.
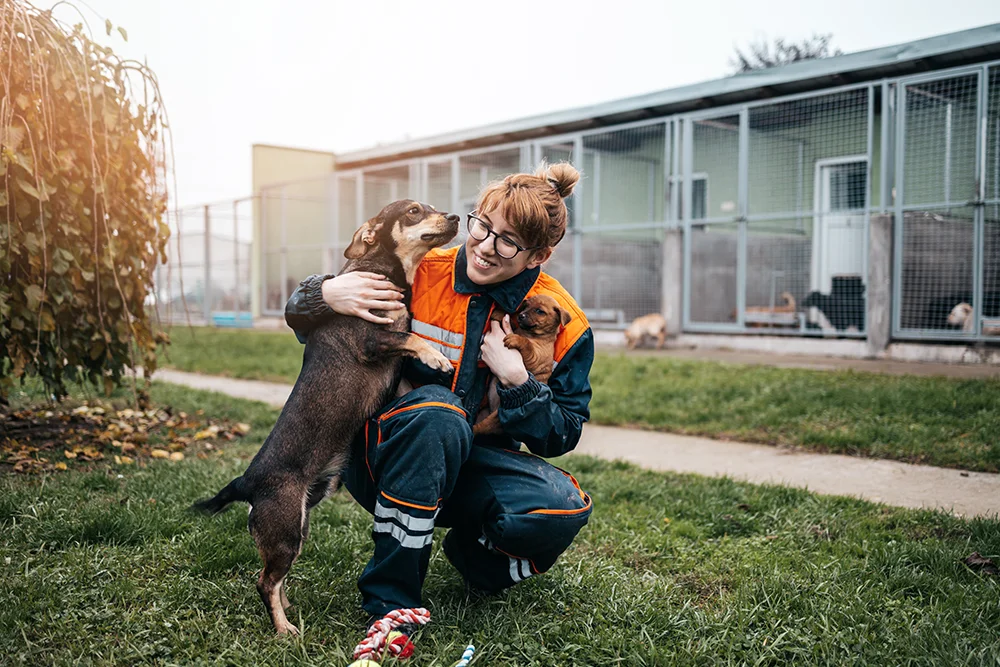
(440,313)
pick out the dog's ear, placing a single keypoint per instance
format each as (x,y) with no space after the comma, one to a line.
(564,317)
(363,238)
(368,232)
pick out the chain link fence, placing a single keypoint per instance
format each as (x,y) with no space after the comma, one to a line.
(208,275)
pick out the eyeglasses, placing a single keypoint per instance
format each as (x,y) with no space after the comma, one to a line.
(504,246)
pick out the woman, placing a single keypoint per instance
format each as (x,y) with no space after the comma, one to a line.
(418,466)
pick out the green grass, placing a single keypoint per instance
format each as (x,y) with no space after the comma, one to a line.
(937,421)
(108,568)
(250,354)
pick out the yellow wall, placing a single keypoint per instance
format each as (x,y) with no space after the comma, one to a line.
(304,210)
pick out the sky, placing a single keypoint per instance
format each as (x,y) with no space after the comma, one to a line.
(342,75)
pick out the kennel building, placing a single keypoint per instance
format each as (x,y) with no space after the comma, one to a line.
(856,196)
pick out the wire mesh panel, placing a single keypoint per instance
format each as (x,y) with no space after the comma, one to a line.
(348,213)
(714,249)
(623,275)
(180,286)
(808,181)
(384,186)
(713,233)
(779,255)
(439,186)
(938,240)
(623,177)
(208,277)
(478,169)
(937,270)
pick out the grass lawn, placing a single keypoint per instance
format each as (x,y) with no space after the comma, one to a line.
(106,567)
(938,421)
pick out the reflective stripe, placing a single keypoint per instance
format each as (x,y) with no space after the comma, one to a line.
(411,523)
(405,539)
(442,335)
(519,570)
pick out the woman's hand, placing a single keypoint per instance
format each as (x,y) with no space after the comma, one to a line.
(505,363)
(360,292)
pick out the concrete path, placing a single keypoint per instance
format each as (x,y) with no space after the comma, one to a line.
(890,482)
(819,363)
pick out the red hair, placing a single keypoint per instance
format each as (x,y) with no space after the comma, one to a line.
(533,203)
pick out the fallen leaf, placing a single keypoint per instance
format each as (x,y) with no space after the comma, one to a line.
(159,454)
(177,456)
(242,428)
(60,466)
(69,454)
(982,564)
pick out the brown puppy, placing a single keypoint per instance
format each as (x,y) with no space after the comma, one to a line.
(535,325)
(349,370)
(653,325)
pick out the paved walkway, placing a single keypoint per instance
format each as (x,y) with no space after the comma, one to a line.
(890,482)
(819,363)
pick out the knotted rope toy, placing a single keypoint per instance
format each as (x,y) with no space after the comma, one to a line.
(380,637)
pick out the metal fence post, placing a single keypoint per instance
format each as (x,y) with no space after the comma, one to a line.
(283,277)
(687,166)
(898,196)
(206,299)
(577,157)
(979,212)
(456,184)
(743,209)
(236,261)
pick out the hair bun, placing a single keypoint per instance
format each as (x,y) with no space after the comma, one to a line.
(563,177)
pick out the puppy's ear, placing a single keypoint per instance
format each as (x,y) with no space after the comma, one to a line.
(363,238)
(564,317)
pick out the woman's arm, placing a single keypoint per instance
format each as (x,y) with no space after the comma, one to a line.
(356,294)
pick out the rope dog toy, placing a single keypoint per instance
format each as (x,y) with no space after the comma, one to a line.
(380,637)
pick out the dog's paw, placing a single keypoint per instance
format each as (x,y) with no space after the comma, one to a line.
(286,628)
(436,360)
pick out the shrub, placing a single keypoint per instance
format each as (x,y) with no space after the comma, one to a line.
(81,204)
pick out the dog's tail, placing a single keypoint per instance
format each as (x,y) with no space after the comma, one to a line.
(232,492)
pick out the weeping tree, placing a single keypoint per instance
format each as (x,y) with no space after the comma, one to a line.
(764,55)
(82,202)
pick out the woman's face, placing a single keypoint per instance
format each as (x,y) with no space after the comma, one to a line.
(486,267)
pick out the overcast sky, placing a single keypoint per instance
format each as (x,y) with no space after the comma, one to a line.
(342,75)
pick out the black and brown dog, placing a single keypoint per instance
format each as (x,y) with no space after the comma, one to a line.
(350,369)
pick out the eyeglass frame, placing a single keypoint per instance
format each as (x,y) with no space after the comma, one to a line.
(469,217)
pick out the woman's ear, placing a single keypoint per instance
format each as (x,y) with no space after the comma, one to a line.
(539,257)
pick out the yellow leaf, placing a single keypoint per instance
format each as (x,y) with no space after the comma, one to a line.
(177,456)
(159,454)
(209,432)
(60,466)
(126,460)
(69,454)
(242,428)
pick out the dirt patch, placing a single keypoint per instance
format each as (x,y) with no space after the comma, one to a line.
(84,436)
